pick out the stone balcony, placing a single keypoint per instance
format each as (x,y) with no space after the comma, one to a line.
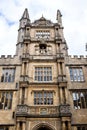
(62,80)
(24,79)
(43,111)
(38,57)
(45,56)
(37,111)
(60,56)
(27,38)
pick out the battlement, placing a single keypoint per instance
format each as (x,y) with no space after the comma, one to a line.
(9,59)
(76,60)
(8,56)
(77,57)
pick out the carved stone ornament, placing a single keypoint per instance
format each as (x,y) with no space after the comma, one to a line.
(64,109)
(22,108)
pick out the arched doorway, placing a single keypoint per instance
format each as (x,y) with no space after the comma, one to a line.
(43,126)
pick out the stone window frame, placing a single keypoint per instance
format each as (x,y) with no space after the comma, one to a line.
(76,74)
(8,74)
(40,75)
(42,33)
(6,98)
(79,99)
(4,128)
(46,50)
(43,97)
(82,127)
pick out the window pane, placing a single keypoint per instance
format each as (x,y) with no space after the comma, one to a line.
(80,99)
(76,74)
(8,75)
(6,100)
(43,74)
(43,98)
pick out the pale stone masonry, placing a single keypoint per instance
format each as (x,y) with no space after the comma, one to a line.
(42,87)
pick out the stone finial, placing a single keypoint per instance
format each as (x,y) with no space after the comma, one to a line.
(25,14)
(58,18)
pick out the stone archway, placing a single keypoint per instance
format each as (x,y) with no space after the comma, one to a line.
(43,126)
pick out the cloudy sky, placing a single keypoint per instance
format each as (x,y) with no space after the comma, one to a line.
(74,21)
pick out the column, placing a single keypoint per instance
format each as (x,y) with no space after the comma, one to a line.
(27,48)
(69,125)
(75,128)
(18,126)
(20,97)
(63,67)
(59,71)
(22,69)
(25,63)
(66,95)
(26,89)
(57,49)
(24,49)
(63,126)
(23,126)
(61,96)
(26,68)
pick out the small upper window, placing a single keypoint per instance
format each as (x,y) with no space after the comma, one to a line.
(8,75)
(43,48)
(41,34)
(76,74)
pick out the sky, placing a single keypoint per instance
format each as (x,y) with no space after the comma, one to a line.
(74,17)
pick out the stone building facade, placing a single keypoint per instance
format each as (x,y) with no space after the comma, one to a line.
(42,87)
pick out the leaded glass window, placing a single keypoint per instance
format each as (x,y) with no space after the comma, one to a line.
(82,128)
(76,74)
(4,128)
(43,74)
(43,98)
(8,75)
(6,99)
(79,99)
(42,33)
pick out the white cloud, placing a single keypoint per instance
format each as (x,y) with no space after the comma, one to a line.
(74,21)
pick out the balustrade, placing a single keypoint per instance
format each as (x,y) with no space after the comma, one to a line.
(61,78)
(60,55)
(24,78)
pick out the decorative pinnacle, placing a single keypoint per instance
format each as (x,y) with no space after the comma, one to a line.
(58,17)
(25,14)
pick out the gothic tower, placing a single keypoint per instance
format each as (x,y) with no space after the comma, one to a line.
(43,85)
